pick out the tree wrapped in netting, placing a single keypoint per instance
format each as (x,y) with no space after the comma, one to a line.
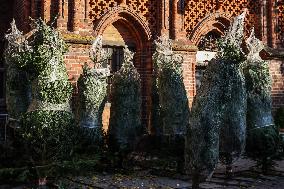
(18,89)
(47,127)
(156,109)
(172,99)
(218,109)
(262,134)
(234,99)
(125,115)
(92,89)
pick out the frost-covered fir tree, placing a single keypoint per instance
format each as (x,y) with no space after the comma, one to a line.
(217,121)
(262,134)
(125,115)
(172,102)
(17,84)
(47,125)
(92,89)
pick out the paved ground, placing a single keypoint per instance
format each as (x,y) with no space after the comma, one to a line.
(244,177)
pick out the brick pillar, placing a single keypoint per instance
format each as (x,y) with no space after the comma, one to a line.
(188,67)
(60,9)
(60,20)
(273,23)
(86,12)
(46,10)
(188,51)
(65,14)
(143,63)
(77,15)
(179,32)
(277,74)
(264,20)
(184,47)
(164,15)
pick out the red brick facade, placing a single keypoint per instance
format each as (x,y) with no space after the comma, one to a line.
(137,23)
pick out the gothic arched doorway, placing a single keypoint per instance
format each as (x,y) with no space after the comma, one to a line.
(123,27)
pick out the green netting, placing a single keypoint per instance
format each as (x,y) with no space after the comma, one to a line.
(46,125)
(172,109)
(233,121)
(92,89)
(48,135)
(217,121)
(202,146)
(263,137)
(92,93)
(156,124)
(18,90)
(125,114)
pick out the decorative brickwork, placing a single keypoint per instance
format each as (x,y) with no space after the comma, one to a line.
(145,8)
(127,17)
(280,23)
(197,10)
(98,7)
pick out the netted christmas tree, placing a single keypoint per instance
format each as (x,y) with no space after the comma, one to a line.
(92,89)
(47,125)
(18,89)
(233,118)
(172,99)
(218,109)
(156,125)
(262,134)
(125,115)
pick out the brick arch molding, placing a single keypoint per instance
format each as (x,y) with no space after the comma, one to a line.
(217,22)
(131,19)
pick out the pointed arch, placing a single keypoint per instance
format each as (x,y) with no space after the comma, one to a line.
(127,16)
(125,19)
(217,22)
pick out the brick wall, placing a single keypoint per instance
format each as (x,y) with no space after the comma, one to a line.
(77,55)
(162,17)
(189,59)
(277,73)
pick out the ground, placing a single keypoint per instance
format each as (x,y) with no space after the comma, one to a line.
(245,176)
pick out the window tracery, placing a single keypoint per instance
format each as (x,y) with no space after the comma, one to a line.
(279,9)
(146,8)
(196,10)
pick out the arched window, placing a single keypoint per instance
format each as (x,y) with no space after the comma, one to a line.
(207,50)
(208,42)
(116,58)
(114,62)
